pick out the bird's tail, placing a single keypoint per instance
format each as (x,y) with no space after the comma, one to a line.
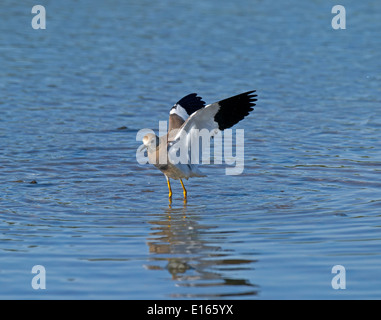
(195,172)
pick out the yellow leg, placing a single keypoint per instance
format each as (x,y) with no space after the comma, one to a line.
(184,190)
(169,188)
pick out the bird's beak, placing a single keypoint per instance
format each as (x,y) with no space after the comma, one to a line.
(142,148)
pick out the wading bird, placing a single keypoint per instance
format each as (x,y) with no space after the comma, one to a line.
(191,113)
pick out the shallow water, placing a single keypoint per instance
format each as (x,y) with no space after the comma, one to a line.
(74,199)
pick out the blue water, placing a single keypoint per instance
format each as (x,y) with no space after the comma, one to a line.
(74,199)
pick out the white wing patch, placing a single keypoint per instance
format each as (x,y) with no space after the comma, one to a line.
(180,111)
(201,119)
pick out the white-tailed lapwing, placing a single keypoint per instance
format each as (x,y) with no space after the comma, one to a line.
(187,114)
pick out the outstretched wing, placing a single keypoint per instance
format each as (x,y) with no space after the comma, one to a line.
(220,115)
(214,118)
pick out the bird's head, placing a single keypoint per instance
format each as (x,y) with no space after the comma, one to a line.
(151,141)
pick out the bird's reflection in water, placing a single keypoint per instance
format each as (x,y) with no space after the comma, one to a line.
(194,256)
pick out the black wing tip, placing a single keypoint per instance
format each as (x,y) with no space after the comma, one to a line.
(250,95)
(249,92)
(234,109)
(252,98)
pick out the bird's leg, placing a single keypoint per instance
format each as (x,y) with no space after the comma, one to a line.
(184,190)
(169,188)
